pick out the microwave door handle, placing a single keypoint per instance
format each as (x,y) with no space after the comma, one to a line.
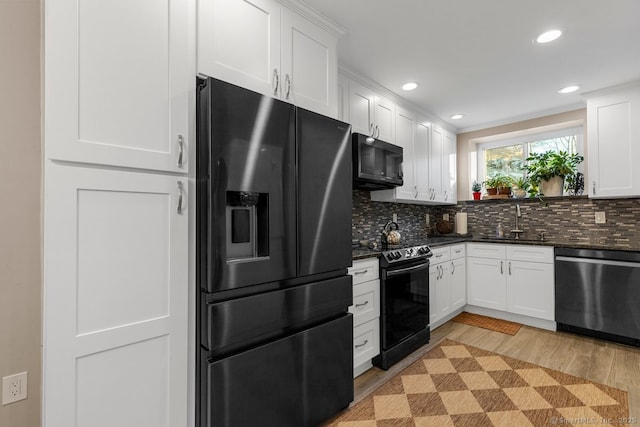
(407,270)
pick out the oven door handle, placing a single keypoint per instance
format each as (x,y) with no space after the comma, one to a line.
(407,270)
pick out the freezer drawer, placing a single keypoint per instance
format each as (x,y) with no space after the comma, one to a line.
(300,380)
(247,321)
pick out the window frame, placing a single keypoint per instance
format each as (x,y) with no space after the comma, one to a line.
(524,140)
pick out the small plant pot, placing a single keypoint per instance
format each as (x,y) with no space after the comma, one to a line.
(504,190)
(492,191)
(519,193)
(476,195)
(552,187)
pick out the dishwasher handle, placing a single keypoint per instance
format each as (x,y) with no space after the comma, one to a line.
(599,261)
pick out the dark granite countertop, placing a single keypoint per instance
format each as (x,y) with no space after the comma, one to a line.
(435,241)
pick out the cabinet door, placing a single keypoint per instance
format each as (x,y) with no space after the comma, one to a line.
(443,291)
(449,168)
(385,119)
(115,298)
(343,98)
(405,132)
(421,160)
(309,65)
(361,100)
(436,192)
(239,42)
(458,283)
(614,129)
(486,283)
(530,289)
(117,77)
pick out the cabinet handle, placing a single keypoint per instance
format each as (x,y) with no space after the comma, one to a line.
(446,196)
(593,190)
(372,130)
(287,80)
(179,208)
(362,304)
(361,272)
(377,132)
(276,81)
(453,268)
(180,151)
(363,344)
(509,268)
(501,267)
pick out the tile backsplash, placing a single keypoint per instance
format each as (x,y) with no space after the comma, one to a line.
(563,220)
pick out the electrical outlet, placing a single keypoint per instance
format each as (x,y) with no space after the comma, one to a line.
(426,219)
(395,217)
(445,217)
(14,388)
(600,218)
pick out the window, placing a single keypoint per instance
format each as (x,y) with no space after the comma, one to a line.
(507,156)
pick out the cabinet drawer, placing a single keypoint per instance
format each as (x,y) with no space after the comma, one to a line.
(458,251)
(530,253)
(364,270)
(440,255)
(366,342)
(366,302)
(486,250)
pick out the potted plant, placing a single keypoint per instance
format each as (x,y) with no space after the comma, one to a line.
(498,184)
(521,185)
(548,170)
(476,188)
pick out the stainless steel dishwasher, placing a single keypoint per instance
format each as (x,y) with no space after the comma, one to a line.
(598,293)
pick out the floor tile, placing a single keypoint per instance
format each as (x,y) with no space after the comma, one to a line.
(526,398)
(393,406)
(460,402)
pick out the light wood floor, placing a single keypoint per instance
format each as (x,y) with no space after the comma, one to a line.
(612,364)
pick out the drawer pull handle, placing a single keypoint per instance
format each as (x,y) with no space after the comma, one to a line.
(363,344)
(361,272)
(439,256)
(362,304)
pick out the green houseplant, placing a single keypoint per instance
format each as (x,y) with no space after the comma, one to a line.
(476,188)
(499,184)
(548,170)
(522,186)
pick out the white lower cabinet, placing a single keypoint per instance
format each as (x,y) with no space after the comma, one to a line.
(116,298)
(447,283)
(366,313)
(517,279)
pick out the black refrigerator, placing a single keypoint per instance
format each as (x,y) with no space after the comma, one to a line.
(275,339)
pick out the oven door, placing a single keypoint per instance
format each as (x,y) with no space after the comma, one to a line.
(405,301)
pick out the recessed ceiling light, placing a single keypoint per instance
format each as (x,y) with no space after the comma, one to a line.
(457,116)
(548,36)
(569,89)
(409,86)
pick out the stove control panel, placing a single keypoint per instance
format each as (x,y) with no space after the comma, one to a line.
(396,255)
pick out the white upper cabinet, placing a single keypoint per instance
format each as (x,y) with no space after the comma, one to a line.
(613,121)
(449,167)
(405,133)
(239,42)
(442,166)
(265,47)
(371,114)
(116,80)
(309,65)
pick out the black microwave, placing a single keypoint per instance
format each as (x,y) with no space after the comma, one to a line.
(377,165)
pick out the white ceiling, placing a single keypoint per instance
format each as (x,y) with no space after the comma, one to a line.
(477,57)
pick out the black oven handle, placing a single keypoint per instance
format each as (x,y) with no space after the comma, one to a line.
(391,273)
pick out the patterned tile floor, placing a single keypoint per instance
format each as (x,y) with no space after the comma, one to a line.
(460,385)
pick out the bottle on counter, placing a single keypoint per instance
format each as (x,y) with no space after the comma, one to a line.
(500,231)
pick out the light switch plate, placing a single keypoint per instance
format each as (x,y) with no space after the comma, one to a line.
(445,217)
(600,218)
(395,217)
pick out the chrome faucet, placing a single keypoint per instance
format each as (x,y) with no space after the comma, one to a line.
(516,231)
